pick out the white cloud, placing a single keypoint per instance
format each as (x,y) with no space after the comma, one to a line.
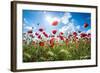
(51,19)
(66,17)
(70,25)
(31,27)
(88,31)
(69,28)
(78,27)
(28,27)
(25,21)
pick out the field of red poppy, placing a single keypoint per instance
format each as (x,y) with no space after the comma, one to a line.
(56,47)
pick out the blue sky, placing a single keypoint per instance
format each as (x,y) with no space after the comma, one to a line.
(67,21)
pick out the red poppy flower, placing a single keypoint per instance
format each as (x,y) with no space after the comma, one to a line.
(85,25)
(54,31)
(52,42)
(30,31)
(76,37)
(41,29)
(74,33)
(82,35)
(61,33)
(54,23)
(36,34)
(89,35)
(39,37)
(41,43)
(44,33)
(52,45)
(61,37)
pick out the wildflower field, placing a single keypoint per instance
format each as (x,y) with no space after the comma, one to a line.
(49,43)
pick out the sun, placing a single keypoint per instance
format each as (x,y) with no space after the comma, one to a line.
(49,19)
(53,20)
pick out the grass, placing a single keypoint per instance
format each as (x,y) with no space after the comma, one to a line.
(36,53)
